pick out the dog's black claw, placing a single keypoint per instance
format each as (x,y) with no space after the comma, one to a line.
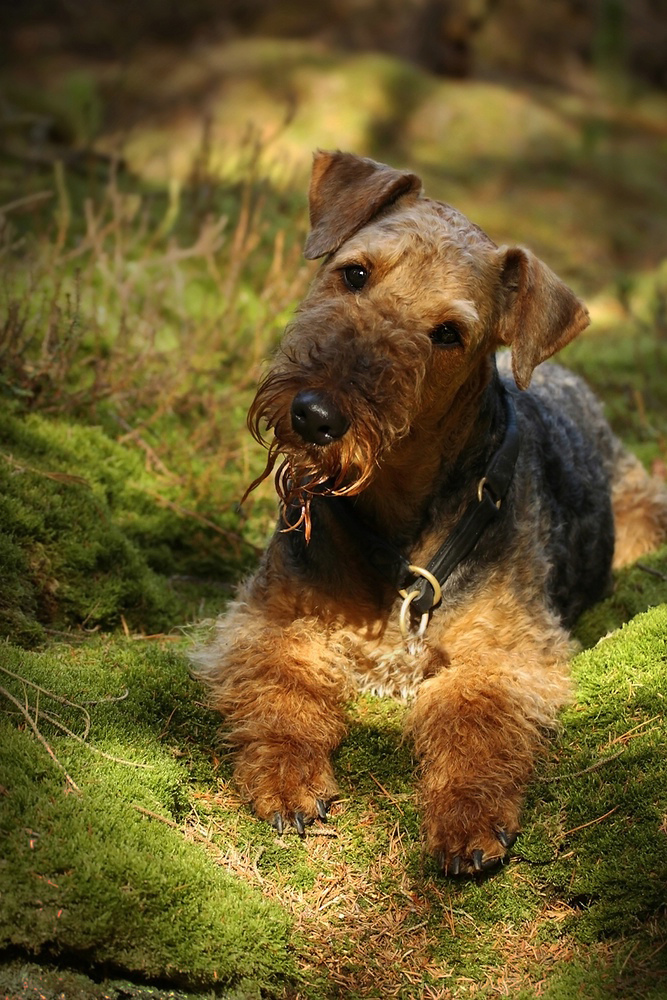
(477,861)
(454,866)
(278,823)
(300,824)
(492,864)
(441,861)
(507,839)
(321,809)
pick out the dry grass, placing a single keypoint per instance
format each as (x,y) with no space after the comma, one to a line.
(148,312)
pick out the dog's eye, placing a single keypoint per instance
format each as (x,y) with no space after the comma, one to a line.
(446,335)
(355,277)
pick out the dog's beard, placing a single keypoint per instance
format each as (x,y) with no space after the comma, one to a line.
(336,470)
(344,467)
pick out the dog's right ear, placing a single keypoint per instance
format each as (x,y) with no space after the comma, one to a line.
(346,191)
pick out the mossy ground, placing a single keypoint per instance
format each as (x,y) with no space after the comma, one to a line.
(137,306)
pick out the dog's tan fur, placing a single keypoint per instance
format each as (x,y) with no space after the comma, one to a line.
(490,674)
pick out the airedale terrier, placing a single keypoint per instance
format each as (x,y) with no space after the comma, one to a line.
(442,524)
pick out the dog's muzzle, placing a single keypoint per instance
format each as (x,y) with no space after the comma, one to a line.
(316,418)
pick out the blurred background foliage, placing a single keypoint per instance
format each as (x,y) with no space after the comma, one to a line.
(557,42)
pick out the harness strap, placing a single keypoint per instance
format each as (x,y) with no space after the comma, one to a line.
(479,513)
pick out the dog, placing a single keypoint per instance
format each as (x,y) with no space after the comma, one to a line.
(446,515)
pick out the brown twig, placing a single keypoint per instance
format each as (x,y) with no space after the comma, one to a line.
(591,822)
(80,739)
(108,698)
(231,536)
(58,477)
(162,819)
(653,572)
(162,636)
(26,714)
(388,794)
(593,767)
(55,721)
(29,199)
(51,694)
(628,735)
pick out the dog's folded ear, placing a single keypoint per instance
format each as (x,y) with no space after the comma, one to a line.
(346,192)
(540,314)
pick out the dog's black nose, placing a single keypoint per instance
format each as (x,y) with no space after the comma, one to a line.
(316,418)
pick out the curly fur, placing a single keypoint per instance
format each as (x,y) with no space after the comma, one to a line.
(423,422)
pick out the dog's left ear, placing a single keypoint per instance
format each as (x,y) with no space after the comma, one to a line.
(540,314)
(346,191)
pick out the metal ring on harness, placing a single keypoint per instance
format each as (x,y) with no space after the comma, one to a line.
(403,618)
(428,576)
(408,598)
(480,492)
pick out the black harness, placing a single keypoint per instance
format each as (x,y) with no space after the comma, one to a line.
(421,587)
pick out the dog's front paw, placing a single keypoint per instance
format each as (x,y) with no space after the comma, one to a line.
(298,819)
(287,785)
(471,834)
(485,859)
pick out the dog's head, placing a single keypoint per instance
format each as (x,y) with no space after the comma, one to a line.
(410,303)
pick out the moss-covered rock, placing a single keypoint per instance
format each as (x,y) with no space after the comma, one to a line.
(113,874)
(84,541)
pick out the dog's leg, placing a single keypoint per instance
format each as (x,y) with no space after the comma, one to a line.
(280,692)
(640,510)
(479,724)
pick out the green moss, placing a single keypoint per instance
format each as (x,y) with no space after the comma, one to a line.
(624,364)
(47,981)
(635,588)
(609,801)
(599,978)
(84,539)
(89,875)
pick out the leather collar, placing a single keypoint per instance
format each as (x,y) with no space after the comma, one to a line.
(484,508)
